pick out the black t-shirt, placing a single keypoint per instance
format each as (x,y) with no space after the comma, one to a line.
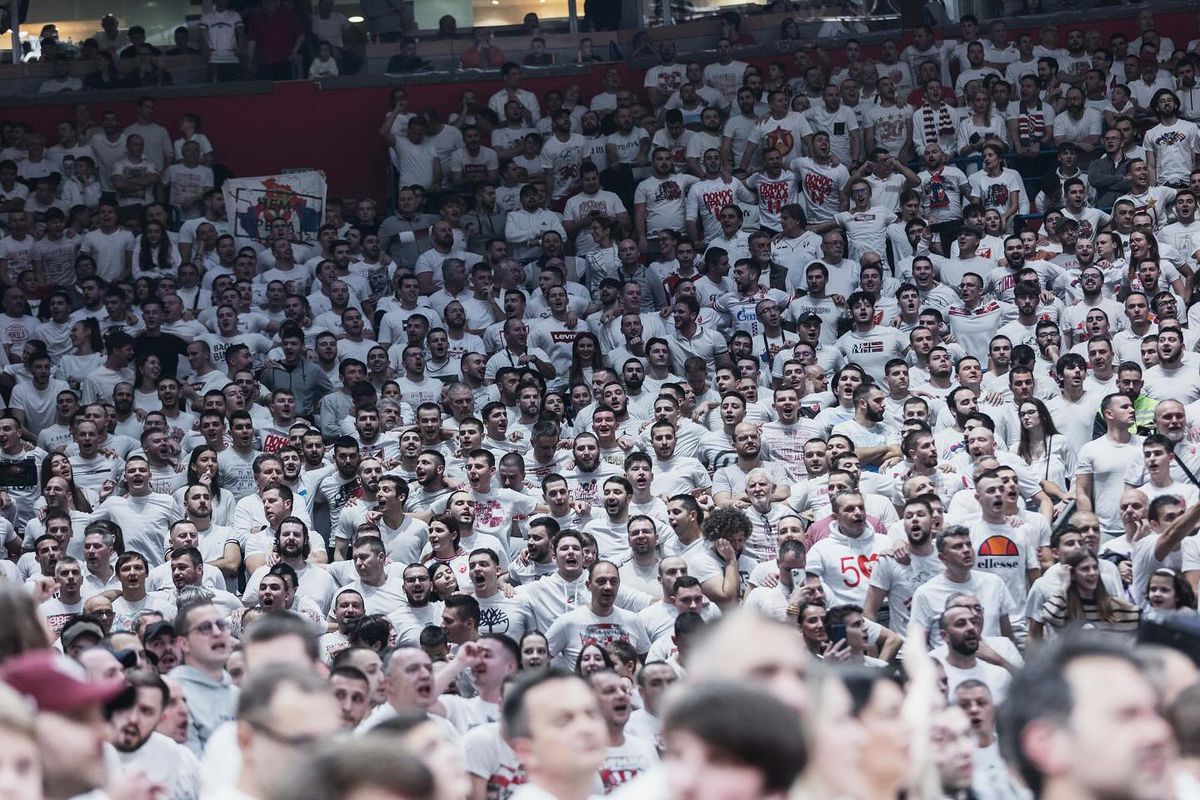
(167,346)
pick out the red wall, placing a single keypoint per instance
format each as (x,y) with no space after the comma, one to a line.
(298,125)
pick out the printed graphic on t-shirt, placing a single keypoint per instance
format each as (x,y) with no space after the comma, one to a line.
(817,187)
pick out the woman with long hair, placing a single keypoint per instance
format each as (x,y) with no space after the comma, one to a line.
(593,658)
(554,407)
(580,395)
(445,535)
(156,255)
(1047,452)
(586,358)
(144,288)
(1081,598)
(835,740)
(1110,258)
(57,465)
(981,127)
(445,582)
(145,392)
(1169,591)
(88,355)
(204,469)
(535,652)
(1144,247)
(998,187)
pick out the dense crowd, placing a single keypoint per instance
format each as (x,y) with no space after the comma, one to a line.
(737,434)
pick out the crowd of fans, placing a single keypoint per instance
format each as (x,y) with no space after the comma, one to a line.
(739,433)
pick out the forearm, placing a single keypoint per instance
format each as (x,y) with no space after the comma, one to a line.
(1083,493)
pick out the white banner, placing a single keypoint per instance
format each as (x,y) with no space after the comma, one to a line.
(254,203)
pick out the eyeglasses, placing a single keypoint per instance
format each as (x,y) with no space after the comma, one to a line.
(206,628)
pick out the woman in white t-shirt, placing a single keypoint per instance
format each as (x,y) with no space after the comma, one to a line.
(154,254)
(997,186)
(145,393)
(1047,452)
(982,124)
(444,548)
(87,356)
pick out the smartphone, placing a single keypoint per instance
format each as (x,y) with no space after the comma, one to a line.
(836,632)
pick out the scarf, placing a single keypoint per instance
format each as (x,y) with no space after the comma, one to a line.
(936,122)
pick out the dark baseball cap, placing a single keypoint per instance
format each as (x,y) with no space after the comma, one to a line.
(156,629)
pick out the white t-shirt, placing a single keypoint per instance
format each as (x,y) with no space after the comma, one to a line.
(820,185)
(108,250)
(845,564)
(575,629)
(1174,148)
(1106,461)
(890,124)
(929,601)
(900,582)
(785,135)
(1090,124)
(624,762)
(865,230)
(725,78)
(664,201)
(1007,551)
(562,160)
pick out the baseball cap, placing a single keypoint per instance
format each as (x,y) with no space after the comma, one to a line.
(79,628)
(808,316)
(56,683)
(156,629)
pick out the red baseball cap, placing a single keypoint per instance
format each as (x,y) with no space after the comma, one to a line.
(56,683)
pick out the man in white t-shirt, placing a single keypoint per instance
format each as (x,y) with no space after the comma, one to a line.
(599,622)
(1100,475)
(783,129)
(931,598)
(820,179)
(725,75)
(1172,144)
(960,630)
(665,78)
(1003,545)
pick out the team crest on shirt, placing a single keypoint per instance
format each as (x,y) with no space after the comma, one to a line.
(781,139)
